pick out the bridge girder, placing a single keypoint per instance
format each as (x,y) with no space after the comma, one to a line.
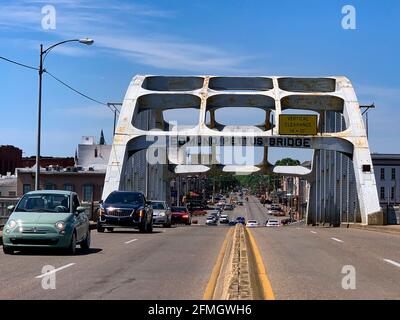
(272,94)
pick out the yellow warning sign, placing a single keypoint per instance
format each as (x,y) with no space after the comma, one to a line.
(297,124)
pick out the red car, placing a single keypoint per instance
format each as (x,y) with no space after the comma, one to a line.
(198,212)
(181,215)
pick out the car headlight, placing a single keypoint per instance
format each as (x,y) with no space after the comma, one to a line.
(12,224)
(162,214)
(60,225)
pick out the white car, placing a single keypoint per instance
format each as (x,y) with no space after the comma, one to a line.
(252,223)
(273,223)
(211,220)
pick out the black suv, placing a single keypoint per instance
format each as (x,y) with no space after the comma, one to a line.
(125,209)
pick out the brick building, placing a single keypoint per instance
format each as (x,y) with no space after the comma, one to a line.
(29,162)
(10,159)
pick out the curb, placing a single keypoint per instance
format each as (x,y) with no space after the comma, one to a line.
(216,272)
(262,281)
(382,229)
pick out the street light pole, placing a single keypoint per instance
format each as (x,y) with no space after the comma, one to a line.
(43,54)
(39,122)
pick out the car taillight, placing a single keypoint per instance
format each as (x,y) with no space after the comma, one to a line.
(185,216)
(141,213)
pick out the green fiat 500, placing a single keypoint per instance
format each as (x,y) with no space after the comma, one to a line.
(47,219)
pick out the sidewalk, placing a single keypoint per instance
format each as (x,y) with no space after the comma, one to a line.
(393,229)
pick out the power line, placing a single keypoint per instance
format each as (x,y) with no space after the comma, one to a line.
(60,81)
(19,64)
(78,92)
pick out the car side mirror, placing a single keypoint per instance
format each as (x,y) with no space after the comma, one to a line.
(101,202)
(11,208)
(80,209)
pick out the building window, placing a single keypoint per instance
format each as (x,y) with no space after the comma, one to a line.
(68,187)
(382,173)
(12,194)
(87,192)
(393,173)
(382,193)
(392,193)
(49,186)
(26,188)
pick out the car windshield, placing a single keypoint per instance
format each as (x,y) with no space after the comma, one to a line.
(178,209)
(252,221)
(158,205)
(44,202)
(124,197)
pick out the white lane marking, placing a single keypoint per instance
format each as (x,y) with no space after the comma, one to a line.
(338,240)
(130,241)
(392,262)
(54,271)
(313,232)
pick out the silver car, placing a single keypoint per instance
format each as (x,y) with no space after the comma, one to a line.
(161,213)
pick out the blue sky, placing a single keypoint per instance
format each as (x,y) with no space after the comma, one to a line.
(285,37)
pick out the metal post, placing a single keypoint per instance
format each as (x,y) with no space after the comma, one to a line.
(39,122)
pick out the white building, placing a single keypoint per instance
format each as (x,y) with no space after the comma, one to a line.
(387,176)
(8,186)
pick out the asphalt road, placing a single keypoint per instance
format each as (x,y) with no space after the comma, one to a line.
(170,263)
(301,262)
(306,262)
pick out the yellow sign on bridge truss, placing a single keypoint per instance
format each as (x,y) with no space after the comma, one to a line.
(297,124)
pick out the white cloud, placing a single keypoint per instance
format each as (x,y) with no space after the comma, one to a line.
(107,24)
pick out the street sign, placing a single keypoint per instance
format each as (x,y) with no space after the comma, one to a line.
(298,124)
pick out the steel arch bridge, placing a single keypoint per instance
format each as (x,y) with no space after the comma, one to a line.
(156,94)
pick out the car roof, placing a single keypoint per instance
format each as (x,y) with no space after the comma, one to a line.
(51,192)
(119,191)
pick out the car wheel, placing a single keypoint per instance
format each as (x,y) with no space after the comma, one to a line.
(168,224)
(110,229)
(143,226)
(72,246)
(149,227)
(85,244)
(99,228)
(8,250)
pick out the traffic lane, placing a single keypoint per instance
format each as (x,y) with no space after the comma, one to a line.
(174,264)
(380,246)
(302,266)
(256,211)
(18,271)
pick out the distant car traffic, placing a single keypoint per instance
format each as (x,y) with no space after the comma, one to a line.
(211,220)
(241,220)
(229,207)
(252,223)
(224,219)
(181,215)
(47,219)
(272,223)
(125,209)
(198,212)
(161,213)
